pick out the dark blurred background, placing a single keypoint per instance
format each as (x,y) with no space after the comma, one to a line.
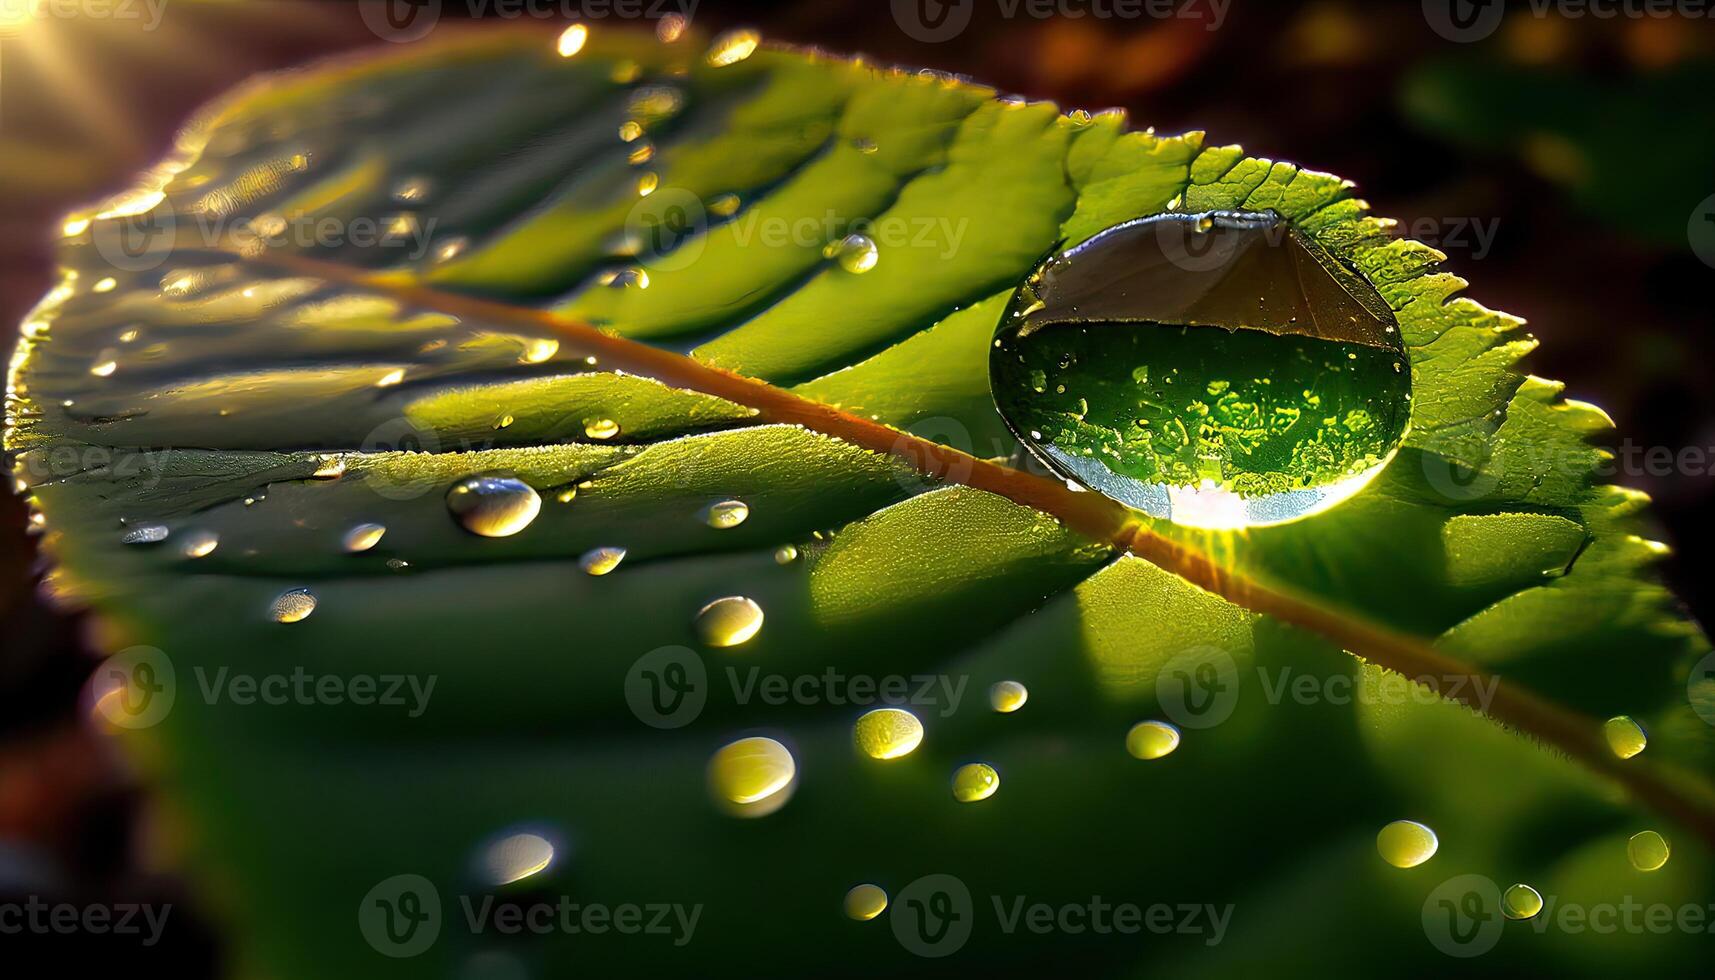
(1566,165)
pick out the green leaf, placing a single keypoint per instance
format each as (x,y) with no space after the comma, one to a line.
(280,412)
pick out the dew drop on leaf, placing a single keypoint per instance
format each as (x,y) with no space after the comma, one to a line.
(199,543)
(1151,740)
(515,857)
(733,47)
(1521,901)
(865,902)
(144,534)
(601,428)
(729,621)
(600,561)
(975,782)
(888,733)
(726,514)
(362,537)
(1008,696)
(493,505)
(1406,843)
(1648,850)
(786,554)
(753,777)
(1218,370)
(292,606)
(1625,736)
(855,253)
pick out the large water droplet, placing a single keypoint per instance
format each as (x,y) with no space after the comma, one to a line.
(363,537)
(1521,901)
(855,253)
(975,781)
(865,902)
(728,621)
(515,857)
(600,561)
(144,534)
(1218,370)
(198,543)
(1625,736)
(601,428)
(888,733)
(1008,696)
(753,777)
(726,513)
(1151,740)
(1406,843)
(493,505)
(1648,850)
(733,47)
(292,606)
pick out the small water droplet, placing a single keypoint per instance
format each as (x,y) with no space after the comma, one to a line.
(865,902)
(630,277)
(856,253)
(329,468)
(1151,740)
(647,183)
(733,47)
(106,285)
(144,534)
(451,249)
(753,777)
(888,733)
(1625,736)
(642,152)
(786,554)
(493,505)
(601,428)
(726,514)
(538,350)
(105,364)
(728,621)
(397,564)
(292,606)
(630,130)
(864,144)
(567,495)
(503,422)
(1406,843)
(1648,850)
(1520,901)
(724,205)
(515,857)
(362,537)
(572,40)
(974,782)
(410,190)
(198,543)
(1008,696)
(391,378)
(600,561)
(671,28)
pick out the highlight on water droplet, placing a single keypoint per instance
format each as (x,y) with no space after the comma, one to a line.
(671,28)
(292,606)
(539,349)
(974,782)
(198,543)
(1219,370)
(752,777)
(362,537)
(726,514)
(104,285)
(856,253)
(733,47)
(887,733)
(1648,850)
(105,363)
(572,40)
(1520,901)
(601,428)
(1151,739)
(329,468)
(786,554)
(514,857)
(494,505)
(728,621)
(600,561)
(1625,736)
(865,902)
(1406,843)
(144,534)
(1008,696)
